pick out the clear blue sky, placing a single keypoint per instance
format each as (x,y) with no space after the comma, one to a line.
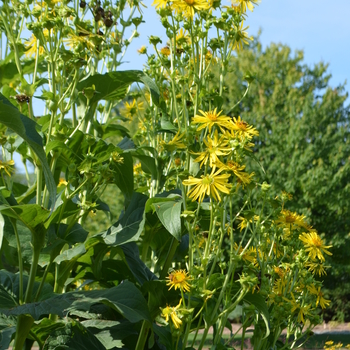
(321,28)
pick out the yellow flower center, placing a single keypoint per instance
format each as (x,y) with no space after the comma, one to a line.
(242,125)
(211,116)
(232,165)
(316,241)
(189,2)
(289,218)
(178,278)
(207,180)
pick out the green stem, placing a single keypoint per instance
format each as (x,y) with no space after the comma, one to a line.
(24,324)
(169,258)
(20,260)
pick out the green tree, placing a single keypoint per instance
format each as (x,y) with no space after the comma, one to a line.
(304,144)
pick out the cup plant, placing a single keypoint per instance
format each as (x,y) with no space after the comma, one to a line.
(199,240)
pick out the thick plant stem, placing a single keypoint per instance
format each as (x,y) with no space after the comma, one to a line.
(141,341)
(24,324)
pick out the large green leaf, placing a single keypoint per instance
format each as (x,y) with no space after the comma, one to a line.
(113,86)
(169,215)
(26,128)
(124,298)
(30,214)
(71,253)
(124,176)
(259,302)
(110,333)
(138,268)
(7,330)
(129,227)
(72,335)
(9,290)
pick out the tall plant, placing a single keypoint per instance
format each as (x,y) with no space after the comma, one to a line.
(199,237)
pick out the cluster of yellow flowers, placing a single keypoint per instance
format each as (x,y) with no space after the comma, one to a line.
(234,132)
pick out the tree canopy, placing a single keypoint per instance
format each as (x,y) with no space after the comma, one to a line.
(304,144)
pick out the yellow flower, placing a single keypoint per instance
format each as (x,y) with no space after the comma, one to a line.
(182,37)
(291,220)
(314,245)
(62,182)
(165,51)
(7,166)
(215,148)
(249,256)
(320,299)
(242,129)
(187,7)
(316,267)
(172,312)
(241,38)
(303,310)
(175,143)
(209,185)
(142,50)
(159,4)
(209,119)
(130,109)
(245,3)
(31,47)
(179,279)
(243,177)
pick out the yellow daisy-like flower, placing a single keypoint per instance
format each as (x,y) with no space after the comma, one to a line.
(179,279)
(244,4)
(314,245)
(182,37)
(211,118)
(249,256)
(160,4)
(316,268)
(172,312)
(142,50)
(241,38)
(165,51)
(243,177)
(174,144)
(130,109)
(291,220)
(7,166)
(215,147)
(320,299)
(210,185)
(188,7)
(242,129)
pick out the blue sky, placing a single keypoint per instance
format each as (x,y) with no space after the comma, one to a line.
(321,28)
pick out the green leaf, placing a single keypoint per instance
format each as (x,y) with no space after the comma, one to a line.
(259,302)
(124,298)
(72,335)
(113,86)
(71,253)
(25,128)
(148,164)
(129,227)
(110,333)
(7,330)
(30,214)
(138,268)
(169,215)
(124,176)
(9,290)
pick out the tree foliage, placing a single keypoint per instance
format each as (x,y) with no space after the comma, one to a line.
(304,144)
